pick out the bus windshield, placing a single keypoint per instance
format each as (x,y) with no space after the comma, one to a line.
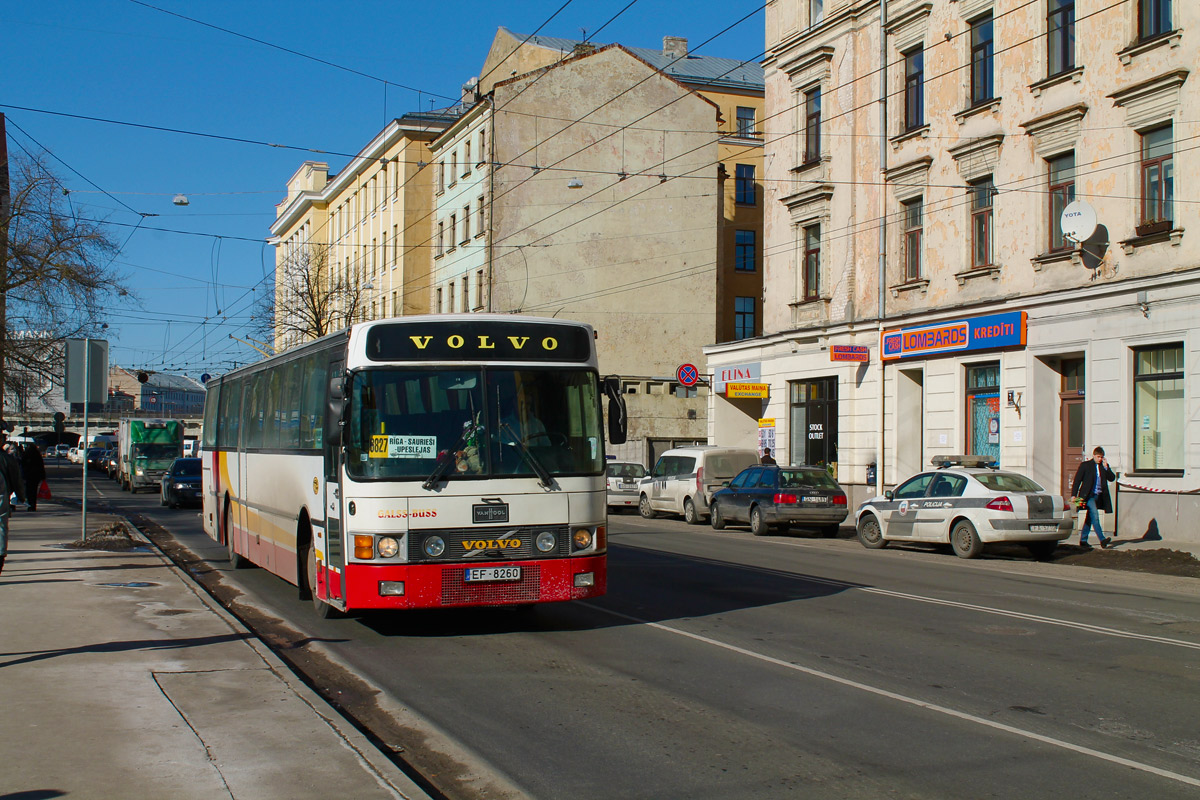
(491,422)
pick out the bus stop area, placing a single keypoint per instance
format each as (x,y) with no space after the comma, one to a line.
(120,677)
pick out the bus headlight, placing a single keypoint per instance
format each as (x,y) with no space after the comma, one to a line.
(388,547)
(582,538)
(546,541)
(434,546)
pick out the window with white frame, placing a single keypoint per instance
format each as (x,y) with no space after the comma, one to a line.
(983,193)
(1060,175)
(1158,180)
(914,221)
(1158,408)
(812,262)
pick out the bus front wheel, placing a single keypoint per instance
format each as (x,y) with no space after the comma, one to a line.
(323,609)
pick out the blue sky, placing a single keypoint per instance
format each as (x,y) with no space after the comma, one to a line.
(194,281)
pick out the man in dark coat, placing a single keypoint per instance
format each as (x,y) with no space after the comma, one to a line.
(1091,485)
(10,483)
(33,470)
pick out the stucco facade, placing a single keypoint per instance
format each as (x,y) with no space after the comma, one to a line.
(928,210)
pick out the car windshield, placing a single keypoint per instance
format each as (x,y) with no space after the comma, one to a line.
(629,471)
(798,478)
(155,452)
(491,422)
(187,467)
(1007,482)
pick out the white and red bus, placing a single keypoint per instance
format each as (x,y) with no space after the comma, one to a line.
(418,462)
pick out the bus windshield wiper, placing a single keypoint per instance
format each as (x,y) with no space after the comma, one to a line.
(543,474)
(443,466)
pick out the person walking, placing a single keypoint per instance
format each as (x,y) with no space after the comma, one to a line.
(10,483)
(33,470)
(1091,485)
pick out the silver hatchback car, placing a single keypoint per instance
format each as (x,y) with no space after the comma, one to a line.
(623,477)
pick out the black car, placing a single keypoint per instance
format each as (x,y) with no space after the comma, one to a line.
(96,457)
(770,496)
(181,483)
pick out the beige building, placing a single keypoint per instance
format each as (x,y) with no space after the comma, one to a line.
(922,297)
(364,233)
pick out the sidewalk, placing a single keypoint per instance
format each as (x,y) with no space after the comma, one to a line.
(121,678)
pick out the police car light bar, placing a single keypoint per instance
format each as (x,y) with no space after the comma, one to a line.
(971,462)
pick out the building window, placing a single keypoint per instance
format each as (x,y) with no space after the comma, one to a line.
(813,423)
(441,170)
(466,285)
(441,240)
(439,300)
(914,89)
(914,214)
(744,184)
(479,216)
(743,317)
(482,152)
(983,193)
(1061,177)
(466,223)
(812,125)
(744,256)
(466,158)
(453,177)
(1154,18)
(745,121)
(1060,36)
(453,230)
(816,12)
(450,297)
(1158,181)
(983,410)
(1158,411)
(812,262)
(479,288)
(982,76)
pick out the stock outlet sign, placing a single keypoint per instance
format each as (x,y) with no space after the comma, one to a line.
(988,332)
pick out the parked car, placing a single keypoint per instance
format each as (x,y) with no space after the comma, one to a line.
(966,502)
(684,478)
(623,477)
(773,497)
(62,450)
(181,483)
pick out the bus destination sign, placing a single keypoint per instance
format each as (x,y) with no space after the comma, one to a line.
(477,340)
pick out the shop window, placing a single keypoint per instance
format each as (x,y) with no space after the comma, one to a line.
(983,410)
(1158,412)
(813,420)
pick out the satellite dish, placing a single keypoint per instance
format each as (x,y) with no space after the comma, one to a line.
(1078,221)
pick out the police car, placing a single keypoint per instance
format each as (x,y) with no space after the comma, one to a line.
(967,502)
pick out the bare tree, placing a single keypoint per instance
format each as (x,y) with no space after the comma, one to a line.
(57,275)
(312,297)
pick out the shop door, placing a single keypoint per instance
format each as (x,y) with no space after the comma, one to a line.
(1071,415)
(983,411)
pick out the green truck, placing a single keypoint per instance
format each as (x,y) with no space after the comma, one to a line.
(145,450)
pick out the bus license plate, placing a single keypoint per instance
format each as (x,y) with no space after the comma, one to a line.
(1043,528)
(493,574)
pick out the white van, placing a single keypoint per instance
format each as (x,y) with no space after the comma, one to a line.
(684,479)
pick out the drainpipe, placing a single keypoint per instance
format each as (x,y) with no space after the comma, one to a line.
(882,273)
(489,203)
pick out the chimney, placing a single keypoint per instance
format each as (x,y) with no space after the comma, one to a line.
(583,49)
(675,47)
(470,91)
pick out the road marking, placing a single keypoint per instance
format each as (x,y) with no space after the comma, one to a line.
(1063,623)
(875,690)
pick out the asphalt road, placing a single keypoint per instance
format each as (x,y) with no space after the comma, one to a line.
(725,665)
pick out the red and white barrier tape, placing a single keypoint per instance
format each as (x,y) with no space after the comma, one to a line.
(1127,485)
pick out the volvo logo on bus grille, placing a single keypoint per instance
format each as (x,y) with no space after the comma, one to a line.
(489,544)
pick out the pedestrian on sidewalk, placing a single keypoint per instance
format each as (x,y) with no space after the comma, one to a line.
(1091,485)
(766,457)
(10,483)
(33,470)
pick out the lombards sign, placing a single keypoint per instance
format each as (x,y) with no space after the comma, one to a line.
(989,332)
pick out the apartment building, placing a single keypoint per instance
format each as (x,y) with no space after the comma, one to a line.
(923,294)
(358,245)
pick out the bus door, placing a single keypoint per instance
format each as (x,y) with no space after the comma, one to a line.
(330,541)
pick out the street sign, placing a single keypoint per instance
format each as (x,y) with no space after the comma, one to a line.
(687,374)
(86,371)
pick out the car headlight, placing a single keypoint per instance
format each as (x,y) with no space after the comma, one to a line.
(181,486)
(434,546)
(546,541)
(139,471)
(388,547)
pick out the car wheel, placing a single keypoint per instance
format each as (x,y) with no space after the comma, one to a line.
(870,534)
(1042,551)
(965,540)
(690,515)
(716,518)
(758,526)
(644,508)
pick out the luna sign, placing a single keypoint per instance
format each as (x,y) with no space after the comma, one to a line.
(989,332)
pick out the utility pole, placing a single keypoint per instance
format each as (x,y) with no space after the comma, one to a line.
(4,206)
